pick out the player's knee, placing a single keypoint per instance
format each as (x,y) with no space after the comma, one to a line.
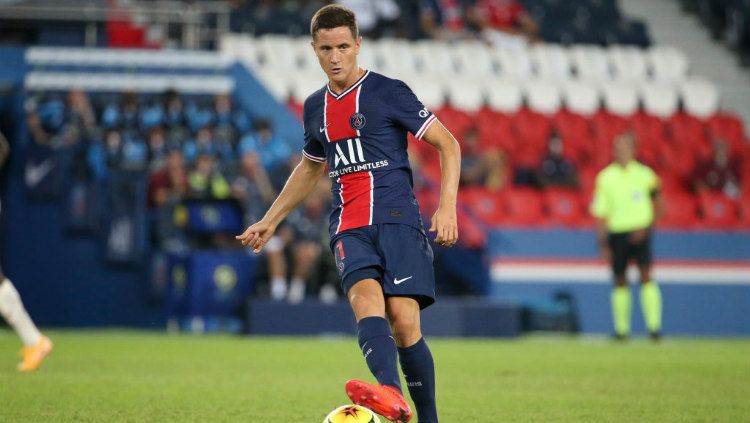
(366,304)
(405,328)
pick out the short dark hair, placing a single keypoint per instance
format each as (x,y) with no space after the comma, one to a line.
(334,16)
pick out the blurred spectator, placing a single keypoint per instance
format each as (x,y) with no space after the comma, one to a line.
(157,147)
(484,167)
(58,124)
(134,151)
(719,173)
(443,19)
(105,155)
(271,149)
(504,23)
(169,183)
(205,143)
(175,122)
(268,17)
(253,188)
(555,169)
(206,181)
(375,18)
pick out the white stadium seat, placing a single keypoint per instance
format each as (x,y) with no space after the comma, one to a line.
(430,91)
(667,63)
(590,63)
(513,63)
(620,98)
(550,62)
(700,97)
(543,96)
(435,57)
(504,94)
(277,83)
(465,94)
(395,55)
(581,97)
(305,84)
(473,58)
(628,63)
(659,99)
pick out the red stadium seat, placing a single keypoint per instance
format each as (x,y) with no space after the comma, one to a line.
(457,121)
(482,204)
(523,207)
(680,211)
(564,207)
(686,129)
(717,210)
(729,127)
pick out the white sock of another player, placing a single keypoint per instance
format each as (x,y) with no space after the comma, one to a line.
(11,308)
(278,288)
(296,291)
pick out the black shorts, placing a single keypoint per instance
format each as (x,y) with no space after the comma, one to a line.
(623,250)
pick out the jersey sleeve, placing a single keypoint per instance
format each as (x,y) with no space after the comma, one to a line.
(409,112)
(312,149)
(600,204)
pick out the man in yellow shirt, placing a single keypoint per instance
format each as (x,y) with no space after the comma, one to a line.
(626,203)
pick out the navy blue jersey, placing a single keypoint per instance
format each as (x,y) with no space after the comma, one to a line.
(361,135)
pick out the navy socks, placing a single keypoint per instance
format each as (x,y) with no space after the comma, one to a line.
(419,371)
(379,350)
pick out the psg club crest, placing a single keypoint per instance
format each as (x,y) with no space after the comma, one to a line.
(357,121)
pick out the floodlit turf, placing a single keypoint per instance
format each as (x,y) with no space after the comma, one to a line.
(149,377)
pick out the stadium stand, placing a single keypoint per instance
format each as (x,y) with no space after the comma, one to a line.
(595,75)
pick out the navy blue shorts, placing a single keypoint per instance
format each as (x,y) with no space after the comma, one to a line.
(398,256)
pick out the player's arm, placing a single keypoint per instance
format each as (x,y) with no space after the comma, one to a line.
(301,182)
(657,200)
(444,220)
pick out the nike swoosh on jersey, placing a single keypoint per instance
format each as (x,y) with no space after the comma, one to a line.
(36,172)
(323,128)
(398,281)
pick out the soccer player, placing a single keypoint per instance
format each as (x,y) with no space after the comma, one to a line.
(36,346)
(626,202)
(357,126)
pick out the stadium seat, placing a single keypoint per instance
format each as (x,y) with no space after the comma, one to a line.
(686,129)
(543,97)
(483,204)
(700,97)
(504,95)
(744,211)
(305,84)
(680,211)
(628,63)
(590,63)
(550,61)
(454,118)
(667,63)
(513,63)
(620,98)
(430,91)
(659,99)
(717,210)
(473,59)
(435,58)
(564,207)
(393,56)
(727,126)
(464,93)
(523,207)
(580,97)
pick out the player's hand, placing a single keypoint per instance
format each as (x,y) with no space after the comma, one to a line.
(638,236)
(444,223)
(257,235)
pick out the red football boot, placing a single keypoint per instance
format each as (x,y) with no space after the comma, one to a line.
(382,399)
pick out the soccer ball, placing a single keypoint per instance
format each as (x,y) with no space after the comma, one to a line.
(352,414)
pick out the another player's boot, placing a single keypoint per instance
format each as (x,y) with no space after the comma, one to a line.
(34,355)
(382,399)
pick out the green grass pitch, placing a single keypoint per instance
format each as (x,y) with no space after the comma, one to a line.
(115,376)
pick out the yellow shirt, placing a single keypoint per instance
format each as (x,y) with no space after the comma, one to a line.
(623,196)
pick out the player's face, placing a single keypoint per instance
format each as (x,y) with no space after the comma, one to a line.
(624,150)
(337,51)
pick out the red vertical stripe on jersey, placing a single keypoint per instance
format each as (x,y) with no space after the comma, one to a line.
(338,113)
(356,200)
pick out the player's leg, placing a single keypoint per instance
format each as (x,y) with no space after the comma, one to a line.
(360,265)
(414,355)
(36,346)
(620,297)
(650,295)
(306,254)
